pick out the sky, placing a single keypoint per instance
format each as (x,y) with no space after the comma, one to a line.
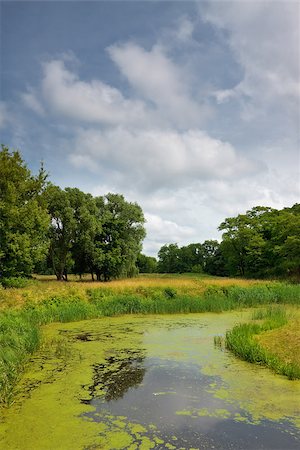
(189,108)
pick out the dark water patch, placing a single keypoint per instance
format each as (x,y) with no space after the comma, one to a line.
(113,378)
(84,337)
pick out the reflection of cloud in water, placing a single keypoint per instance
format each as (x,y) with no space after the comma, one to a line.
(176,398)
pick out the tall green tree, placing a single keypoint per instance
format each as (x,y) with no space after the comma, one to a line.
(74,223)
(119,242)
(24,219)
(88,225)
(262,242)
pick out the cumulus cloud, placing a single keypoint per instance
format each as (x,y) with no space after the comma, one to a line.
(90,102)
(30,99)
(160,231)
(160,81)
(264,36)
(156,158)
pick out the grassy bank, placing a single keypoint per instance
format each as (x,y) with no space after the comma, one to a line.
(243,341)
(20,326)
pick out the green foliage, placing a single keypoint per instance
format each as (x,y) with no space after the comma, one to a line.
(214,299)
(262,242)
(78,232)
(118,243)
(14,282)
(146,264)
(74,223)
(213,258)
(100,235)
(23,216)
(168,259)
(193,258)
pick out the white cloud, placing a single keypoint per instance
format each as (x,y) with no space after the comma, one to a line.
(161,231)
(152,159)
(157,79)
(264,37)
(30,99)
(185,29)
(90,102)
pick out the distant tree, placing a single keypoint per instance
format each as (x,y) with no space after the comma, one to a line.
(146,264)
(262,242)
(24,219)
(191,258)
(286,241)
(168,259)
(213,258)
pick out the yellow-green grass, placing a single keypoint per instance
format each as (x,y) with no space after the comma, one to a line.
(283,342)
(46,286)
(272,339)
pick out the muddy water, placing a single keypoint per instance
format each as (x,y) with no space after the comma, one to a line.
(149,382)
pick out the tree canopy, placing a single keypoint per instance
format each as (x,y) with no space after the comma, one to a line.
(42,225)
(24,219)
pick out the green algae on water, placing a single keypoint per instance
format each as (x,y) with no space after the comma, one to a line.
(74,372)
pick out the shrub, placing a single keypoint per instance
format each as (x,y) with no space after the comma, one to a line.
(15,282)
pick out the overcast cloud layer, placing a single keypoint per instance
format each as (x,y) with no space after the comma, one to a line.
(196,117)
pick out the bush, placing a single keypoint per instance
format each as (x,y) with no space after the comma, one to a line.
(15,282)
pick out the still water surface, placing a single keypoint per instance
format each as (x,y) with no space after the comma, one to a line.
(149,382)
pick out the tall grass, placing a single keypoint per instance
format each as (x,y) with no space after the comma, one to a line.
(18,339)
(20,328)
(20,335)
(241,341)
(213,299)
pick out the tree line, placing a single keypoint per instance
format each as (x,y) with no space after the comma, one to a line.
(264,242)
(46,229)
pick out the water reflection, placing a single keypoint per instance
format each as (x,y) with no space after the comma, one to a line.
(119,373)
(174,405)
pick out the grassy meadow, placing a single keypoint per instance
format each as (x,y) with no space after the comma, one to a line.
(42,300)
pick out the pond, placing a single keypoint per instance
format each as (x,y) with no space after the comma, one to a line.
(142,382)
